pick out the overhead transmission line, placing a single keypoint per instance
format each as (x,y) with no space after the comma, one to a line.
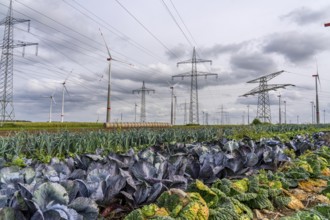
(146,29)
(184,24)
(59,31)
(119,34)
(53,20)
(177,24)
(181,29)
(66,47)
(153,75)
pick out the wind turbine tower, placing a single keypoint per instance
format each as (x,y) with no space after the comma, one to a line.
(143,92)
(317,78)
(263,111)
(193,74)
(6,64)
(64,89)
(51,107)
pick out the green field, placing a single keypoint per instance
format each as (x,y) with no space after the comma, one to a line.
(181,172)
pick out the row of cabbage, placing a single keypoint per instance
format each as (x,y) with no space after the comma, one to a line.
(236,199)
(113,184)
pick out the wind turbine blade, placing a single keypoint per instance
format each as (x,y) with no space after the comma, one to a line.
(120,61)
(53,99)
(317,73)
(66,90)
(172,85)
(176,84)
(67,77)
(106,45)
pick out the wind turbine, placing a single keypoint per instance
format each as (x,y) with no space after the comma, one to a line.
(108,115)
(64,89)
(51,107)
(317,78)
(172,86)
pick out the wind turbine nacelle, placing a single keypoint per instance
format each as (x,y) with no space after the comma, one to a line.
(108,59)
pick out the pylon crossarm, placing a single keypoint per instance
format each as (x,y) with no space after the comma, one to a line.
(149,90)
(252,92)
(268,88)
(206,74)
(194,61)
(19,20)
(13,21)
(266,78)
(187,74)
(24,44)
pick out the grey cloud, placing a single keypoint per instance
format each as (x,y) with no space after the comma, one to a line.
(179,52)
(250,100)
(256,62)
(247,66)
(303,15)
(219,49)
(296,47)
(183,52)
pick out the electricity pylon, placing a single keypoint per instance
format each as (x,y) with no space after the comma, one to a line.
(193,74)
(263,111)
(6,65)
(143,91)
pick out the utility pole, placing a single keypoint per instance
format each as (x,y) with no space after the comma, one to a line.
(243,118)
(193,108)
(172,111)
(185,113)
(312,112)
(6,64)
(284,112)
(279,109)
(222,115)
(143,91)
(135,108)
(203,117)
(248,107)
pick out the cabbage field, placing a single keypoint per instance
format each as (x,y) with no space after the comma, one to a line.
(233,172)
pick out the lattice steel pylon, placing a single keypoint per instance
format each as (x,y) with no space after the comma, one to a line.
(6,66)
(143,91)
(193,108)
(263,110)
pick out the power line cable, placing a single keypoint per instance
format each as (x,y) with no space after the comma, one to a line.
(177,12)
(131,41)
(146,29)
(177,24)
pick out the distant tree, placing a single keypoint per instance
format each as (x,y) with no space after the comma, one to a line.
(256,121)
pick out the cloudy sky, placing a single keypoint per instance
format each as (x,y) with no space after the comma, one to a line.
(244,39)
